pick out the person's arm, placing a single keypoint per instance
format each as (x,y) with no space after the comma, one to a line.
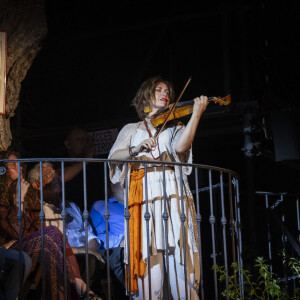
(72,171)
(76,168)
(24,188)
(124,154)
(187,137)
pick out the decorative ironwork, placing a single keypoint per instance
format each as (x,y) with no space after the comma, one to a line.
(222,200)
(2,170)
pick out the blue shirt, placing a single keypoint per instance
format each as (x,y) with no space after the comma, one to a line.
(115,222)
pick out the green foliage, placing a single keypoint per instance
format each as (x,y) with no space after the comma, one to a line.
(293,263)
(264,286)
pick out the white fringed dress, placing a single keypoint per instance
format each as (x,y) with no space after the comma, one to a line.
(133,135)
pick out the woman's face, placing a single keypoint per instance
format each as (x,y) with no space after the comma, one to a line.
(12,168)
(161,96)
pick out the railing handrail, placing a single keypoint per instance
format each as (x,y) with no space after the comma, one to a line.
(216,179)
(200,166)
(277,193)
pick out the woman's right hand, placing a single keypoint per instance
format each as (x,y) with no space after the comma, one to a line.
(144,146)
(129,153)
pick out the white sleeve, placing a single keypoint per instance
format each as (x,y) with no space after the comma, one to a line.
(117,171)
(186,156)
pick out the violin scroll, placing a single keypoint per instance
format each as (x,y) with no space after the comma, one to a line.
(221,100)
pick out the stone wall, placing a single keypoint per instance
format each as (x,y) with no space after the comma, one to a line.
(25,23)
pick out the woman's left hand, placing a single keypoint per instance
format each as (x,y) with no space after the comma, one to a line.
(200,104)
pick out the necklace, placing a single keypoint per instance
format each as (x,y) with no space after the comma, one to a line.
(151,136)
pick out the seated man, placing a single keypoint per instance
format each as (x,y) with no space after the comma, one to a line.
(115,230)
(115,221)
(78,144)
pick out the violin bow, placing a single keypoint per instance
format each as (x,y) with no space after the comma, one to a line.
(173,107)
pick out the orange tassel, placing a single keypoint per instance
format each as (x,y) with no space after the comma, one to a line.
(147,110)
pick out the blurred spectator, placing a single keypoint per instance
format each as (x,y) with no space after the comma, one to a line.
(75,226)
(116,218)
(78,145)
(115,231)
(31,241)
(75,229)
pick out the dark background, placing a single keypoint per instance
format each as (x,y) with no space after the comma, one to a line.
(97,53)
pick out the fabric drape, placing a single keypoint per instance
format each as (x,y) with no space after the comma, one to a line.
(135,201)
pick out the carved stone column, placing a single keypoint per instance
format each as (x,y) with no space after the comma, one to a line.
(25,23)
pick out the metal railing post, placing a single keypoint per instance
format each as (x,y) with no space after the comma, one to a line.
(127,217)
(85,216)
(199,219)
(298,219)
(64,216)
(212,220)
(239,231)
(19,216)
(106,217)
(268,231)
(224,222)
(183,218)
(42,218)
(147,218)
(165,217)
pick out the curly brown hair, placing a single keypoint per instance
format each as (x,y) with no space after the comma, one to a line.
(146,92)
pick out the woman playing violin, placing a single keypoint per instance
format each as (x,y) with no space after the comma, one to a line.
(138,141)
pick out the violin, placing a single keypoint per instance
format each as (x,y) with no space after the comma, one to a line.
(174,111)
(183,109)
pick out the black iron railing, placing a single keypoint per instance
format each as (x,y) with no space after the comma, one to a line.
(217,206)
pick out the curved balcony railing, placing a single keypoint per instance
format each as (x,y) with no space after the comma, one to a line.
(282,231)
(217,203)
